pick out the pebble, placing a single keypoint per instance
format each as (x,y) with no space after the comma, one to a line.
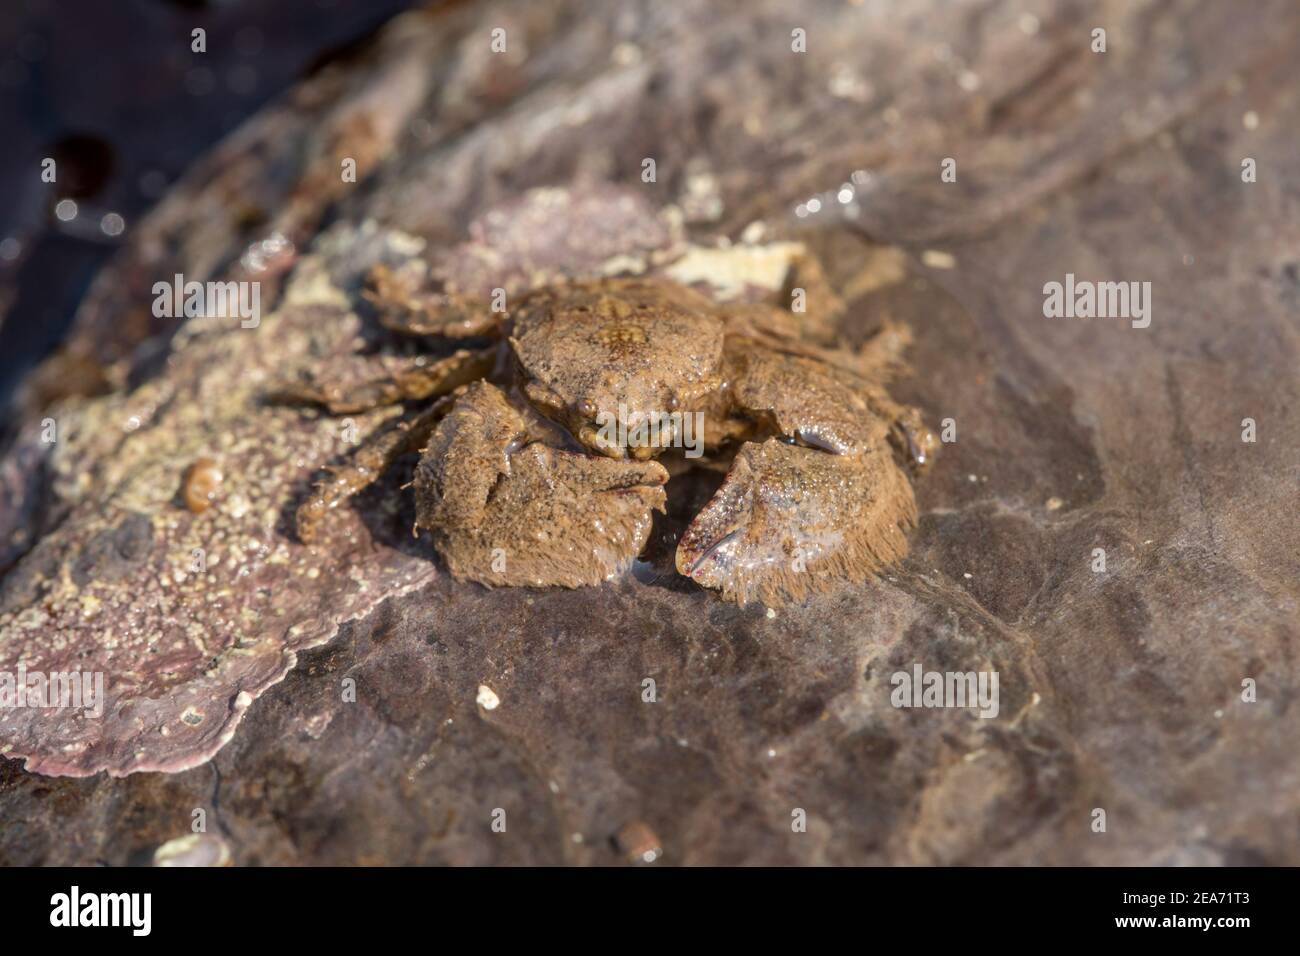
(194,849)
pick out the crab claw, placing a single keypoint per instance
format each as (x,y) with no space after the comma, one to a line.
(789,521)
(507,510)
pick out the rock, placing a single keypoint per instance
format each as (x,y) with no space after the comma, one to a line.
(1120,689)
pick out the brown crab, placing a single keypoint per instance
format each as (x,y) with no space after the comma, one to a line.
(524,477)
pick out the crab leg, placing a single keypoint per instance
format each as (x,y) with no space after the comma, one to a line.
(413,305)
(801,399)
(394,439)
(421,382)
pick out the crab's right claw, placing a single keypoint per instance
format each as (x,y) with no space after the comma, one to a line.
(507,510)
(790,521)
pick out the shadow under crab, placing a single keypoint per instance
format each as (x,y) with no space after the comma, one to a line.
(544,454)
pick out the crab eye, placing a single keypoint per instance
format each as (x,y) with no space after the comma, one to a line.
(674,403)
(587,408)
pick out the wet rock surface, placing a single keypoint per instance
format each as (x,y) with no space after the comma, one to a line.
(1120,689)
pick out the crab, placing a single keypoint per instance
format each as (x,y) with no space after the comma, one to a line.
(524,480)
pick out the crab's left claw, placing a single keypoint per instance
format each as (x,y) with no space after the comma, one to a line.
(791,520)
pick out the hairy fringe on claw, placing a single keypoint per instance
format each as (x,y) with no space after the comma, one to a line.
(587,561)
(875,537)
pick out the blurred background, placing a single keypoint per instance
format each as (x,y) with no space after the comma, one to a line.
(113,92)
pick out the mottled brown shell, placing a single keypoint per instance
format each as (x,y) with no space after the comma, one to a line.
(589,348)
